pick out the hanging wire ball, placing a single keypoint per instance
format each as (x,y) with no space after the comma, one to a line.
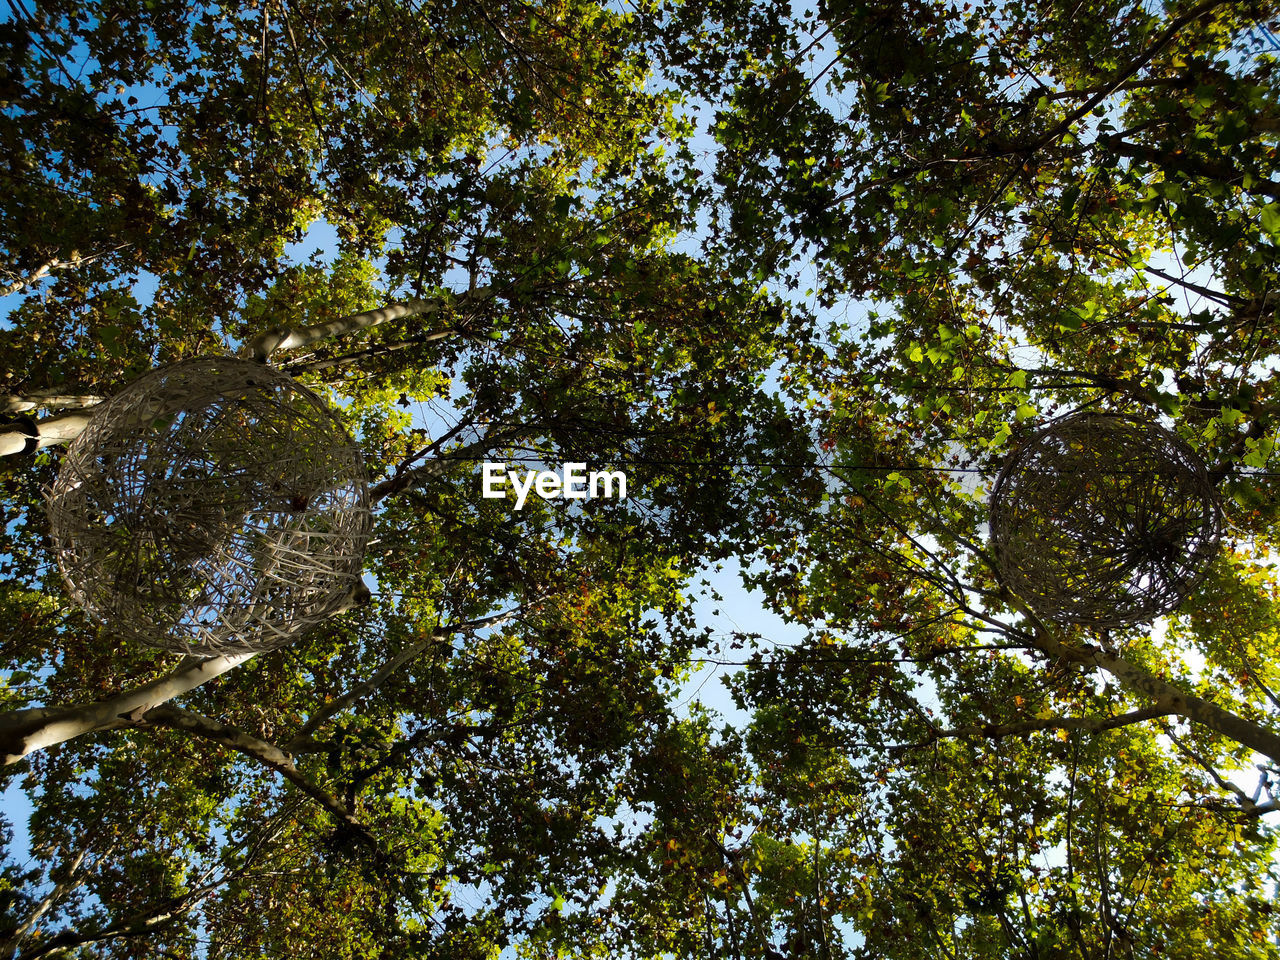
(213,506)
(1103,520)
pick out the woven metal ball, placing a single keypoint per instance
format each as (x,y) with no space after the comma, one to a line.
(1103,520)
(213,506)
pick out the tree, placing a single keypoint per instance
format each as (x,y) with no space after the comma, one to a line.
(505,287)
(1021,195)
(490,752)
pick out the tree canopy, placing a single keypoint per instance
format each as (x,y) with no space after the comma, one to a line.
(808,276)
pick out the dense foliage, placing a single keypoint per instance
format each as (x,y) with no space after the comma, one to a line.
(807,275)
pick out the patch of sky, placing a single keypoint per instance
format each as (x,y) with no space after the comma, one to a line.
(739,619)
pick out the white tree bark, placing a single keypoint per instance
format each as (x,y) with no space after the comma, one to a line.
(25,731)
(27,435)
(50,265)
(1169,697)
(267,343)
(35,276)
(45,400)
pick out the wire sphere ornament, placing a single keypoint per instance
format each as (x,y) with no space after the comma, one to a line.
(213,506)
(1103,520)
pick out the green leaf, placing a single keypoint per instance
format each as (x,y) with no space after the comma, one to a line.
(1270,218)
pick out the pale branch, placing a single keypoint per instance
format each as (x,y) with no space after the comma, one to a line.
(45,400)
(25,435)
(818,898)
(998,731)
(303,738)
(1248,805)
(34,277)
(1165,696)
(263,346)
(1046,639)
(268,754)
(52,264)
(25,731)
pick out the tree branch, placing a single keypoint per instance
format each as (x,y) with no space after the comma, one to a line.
(379,677)
(25,731)
(1187,705)
(998,149)
(25,435)
(1125,73)
(262,347)
(1247,803)
(1218,296)
(1181,82)
(995,731)
(268,754)
(46,400)
(402,480)
(52,264)
(11,943)
(1222,172)
(381,350)
(146,921)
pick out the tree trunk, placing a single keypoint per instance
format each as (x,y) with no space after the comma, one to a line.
(25,731)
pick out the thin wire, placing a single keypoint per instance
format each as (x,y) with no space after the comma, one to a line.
(830,468)
(646,461)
